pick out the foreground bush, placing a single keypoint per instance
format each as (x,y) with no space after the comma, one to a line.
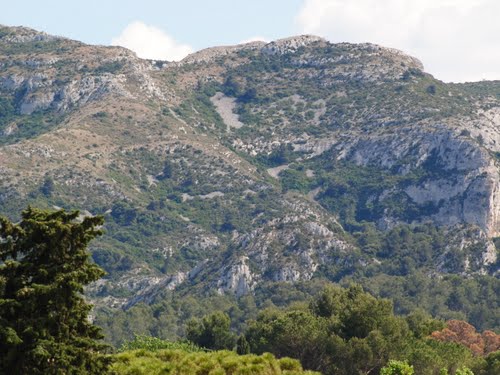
(170,361)
(154,343)
(397,368)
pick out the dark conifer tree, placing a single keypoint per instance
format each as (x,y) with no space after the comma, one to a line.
(44,325)
(242,346)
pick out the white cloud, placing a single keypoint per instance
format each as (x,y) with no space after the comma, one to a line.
(150,42)
(457,40)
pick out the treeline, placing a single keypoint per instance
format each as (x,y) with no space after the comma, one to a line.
(44,325)
(475,300)
(348,331)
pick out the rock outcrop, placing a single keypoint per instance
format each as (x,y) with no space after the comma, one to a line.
(239,165)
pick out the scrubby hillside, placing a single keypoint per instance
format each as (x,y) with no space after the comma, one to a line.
(244,166)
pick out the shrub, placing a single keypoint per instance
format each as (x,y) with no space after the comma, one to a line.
(154,343)
(397,368)
(170,361)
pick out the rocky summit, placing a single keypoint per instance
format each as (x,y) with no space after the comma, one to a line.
(251,164)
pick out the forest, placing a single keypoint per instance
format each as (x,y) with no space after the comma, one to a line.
(337,330)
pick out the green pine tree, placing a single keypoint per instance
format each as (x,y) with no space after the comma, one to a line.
(242,346)
(44,325)
(211,332)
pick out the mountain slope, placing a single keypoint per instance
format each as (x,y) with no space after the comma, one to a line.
(249,164)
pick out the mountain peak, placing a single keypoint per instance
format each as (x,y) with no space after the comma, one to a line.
(21,34)
(208,54)
(291,44)
(257,163)
(279,46)
(317,51)
(393,53)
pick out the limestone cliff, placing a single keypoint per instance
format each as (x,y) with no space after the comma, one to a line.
(264,162)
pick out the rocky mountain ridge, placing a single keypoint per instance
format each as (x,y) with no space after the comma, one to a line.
(265,162)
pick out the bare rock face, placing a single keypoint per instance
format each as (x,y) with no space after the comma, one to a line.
(210,54)
(152,286)
(237,278)
(292,44)
(394,54)
(24,35)
(38,92)
(35,102)
(11,82)
(216,170)
(288,249)
(465,181)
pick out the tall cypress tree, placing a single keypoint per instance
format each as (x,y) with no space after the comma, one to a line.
(44,326)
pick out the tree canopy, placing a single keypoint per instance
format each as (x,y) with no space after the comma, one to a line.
(348,331)
(44,319)
(211,332)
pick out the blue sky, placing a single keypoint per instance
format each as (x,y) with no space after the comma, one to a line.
(199,23)
(457,40)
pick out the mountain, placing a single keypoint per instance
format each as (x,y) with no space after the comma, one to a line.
(252,164)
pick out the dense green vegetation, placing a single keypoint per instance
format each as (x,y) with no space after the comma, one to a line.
(285,322)
(476,300)
(397,368)
(406,254)
(340,331)
(45,330)
(142,362)
(44,327)
(151,355)
(211,332)
(151,343)
(175,202)
(347,331)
